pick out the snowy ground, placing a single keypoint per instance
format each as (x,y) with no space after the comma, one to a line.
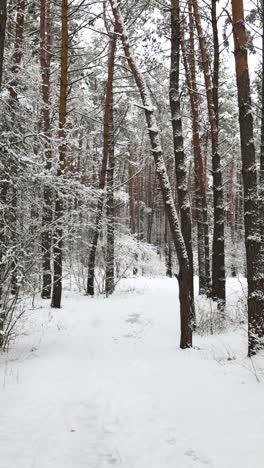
(103,383)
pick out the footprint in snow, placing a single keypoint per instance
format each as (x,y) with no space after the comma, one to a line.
(133,318)
(197,458)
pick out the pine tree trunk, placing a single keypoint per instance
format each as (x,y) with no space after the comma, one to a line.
(100,203)
(3,15)
(218,249)
(131,191)
(179,156)
(249,173)
(168,252)
(185,290)
(110,214)
(3,244)
(9,186)
(14,104)
(261,171)
(58,232)
(45,56)
(200,185)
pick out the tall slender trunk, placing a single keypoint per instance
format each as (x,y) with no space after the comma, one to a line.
(168,252)
(249,173)
(179,156)
(13,105)
(215,75)
(110,211)
(200,185)
(45,57)
(100,203)
(218,249)
(58,233)
(9,185)
(3,15)
(3,186)
(185,293)
(131,191)
(261,171)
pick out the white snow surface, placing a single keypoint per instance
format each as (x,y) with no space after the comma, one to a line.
(102,382)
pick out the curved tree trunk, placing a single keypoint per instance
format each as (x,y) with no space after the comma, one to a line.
(185,292)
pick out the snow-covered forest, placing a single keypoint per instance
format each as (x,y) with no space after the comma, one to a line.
(131,233)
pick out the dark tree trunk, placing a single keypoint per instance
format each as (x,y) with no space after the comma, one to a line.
(100,203)
(200,176)
(261,171)
(131,191)
(218,253)
(14,104)
(179,156)
(110,211)
(218,250)
(3,243)
(3,15)
(168,252)
(249,173)
(45,56)
(58,232)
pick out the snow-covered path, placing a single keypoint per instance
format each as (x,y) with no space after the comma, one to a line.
(102,383)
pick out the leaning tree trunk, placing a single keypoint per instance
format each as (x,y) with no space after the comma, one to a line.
(179,156)
(3,15)
(45,57)
(100,203)
(185,291)
(58,233)
(218,250)
(249,173)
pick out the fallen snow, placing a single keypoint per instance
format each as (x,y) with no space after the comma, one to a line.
(103,383)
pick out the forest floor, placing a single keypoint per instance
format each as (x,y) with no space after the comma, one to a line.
(102,383)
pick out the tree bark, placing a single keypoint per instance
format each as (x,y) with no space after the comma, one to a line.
(110,211)
(100,203)
(261,169)
(249,173)
(3,15)
(45,57)
(185,294)
(200,185)
(13,104)
(58,232)
(218,249)
(179,156)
